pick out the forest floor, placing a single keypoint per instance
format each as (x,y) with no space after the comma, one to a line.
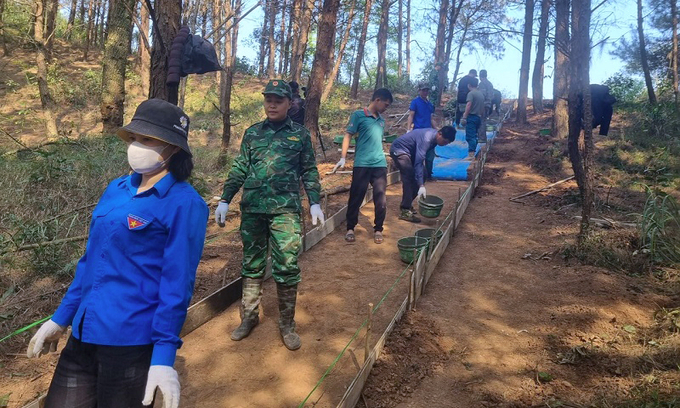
(509,319)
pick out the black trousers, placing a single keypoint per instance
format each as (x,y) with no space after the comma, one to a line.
(361,178)
(89,376)
(409,185)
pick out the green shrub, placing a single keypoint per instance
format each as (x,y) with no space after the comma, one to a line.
(660,228)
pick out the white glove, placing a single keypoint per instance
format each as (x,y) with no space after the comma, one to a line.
(341,163)
(45,340)
(422,192)
(317,214)
(221,213)
(165,378)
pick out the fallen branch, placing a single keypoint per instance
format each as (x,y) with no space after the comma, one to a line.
(607,223)
(548,187)
(70,212)
(52,242)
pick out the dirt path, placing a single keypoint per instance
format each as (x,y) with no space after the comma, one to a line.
(503,306)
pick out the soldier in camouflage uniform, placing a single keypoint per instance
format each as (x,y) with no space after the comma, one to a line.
(275,155)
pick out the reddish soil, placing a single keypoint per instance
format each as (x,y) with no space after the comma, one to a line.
(504,309)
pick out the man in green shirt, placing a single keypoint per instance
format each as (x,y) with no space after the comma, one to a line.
(274,156)
(370,166)
(472,117)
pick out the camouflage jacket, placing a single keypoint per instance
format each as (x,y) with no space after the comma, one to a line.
(269,167)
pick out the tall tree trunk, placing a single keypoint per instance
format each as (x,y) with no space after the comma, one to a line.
(443,73)
(90,23)
(360,51)
(5,49)
(674,51)
(526,60)
(341,53)
(225,88)
(144,52)
(204,18)
(539,65)
(294,26)
(300,46)
(263,49)
(440,40)
(289,37)
(116,51)
(71,18)
(52,7)
(81,12)
(408,39)
(643,55)
(381,73)
(168,14)
(282,36)
(97,23)
(324,48)
(217,16)
(580,114)
(46,100)
(271,62)
(561,73)
(400,28)
(236,7)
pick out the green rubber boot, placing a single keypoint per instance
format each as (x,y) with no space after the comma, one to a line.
(250,308)
(287,297)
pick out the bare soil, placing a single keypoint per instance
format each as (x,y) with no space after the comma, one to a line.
(507,321)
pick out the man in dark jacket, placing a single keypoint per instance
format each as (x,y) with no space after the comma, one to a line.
(463,91)
(297,104)
(601,103)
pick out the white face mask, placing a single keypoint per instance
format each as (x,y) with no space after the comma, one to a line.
(145,159)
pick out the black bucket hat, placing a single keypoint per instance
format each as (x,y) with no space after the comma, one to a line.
(160,120)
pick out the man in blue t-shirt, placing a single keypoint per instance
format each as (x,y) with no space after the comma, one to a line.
(420,115)
(370,166)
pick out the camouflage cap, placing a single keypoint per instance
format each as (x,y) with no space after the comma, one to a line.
(278,87)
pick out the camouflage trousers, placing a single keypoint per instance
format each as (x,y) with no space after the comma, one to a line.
(281,232)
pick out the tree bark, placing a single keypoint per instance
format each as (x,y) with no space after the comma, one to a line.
(168,14)
(440,40)
(526,60)
(52,7)
(324,47)
(5,48)
(539,65)
(226,79)
(144,52)
(46,100)
(262,56)
(580,114)
(454,12)
(88,36)
(289,37)
(300,46)
(561,75)
(294,26)
(81,12)
(341,52)
(360,51)
(381,73)
(204,18)
(71,18)
(271,65)
(674,51)
(643,55)
(400,28)
(282,36)
(217,15)
(408,39)
(116,51)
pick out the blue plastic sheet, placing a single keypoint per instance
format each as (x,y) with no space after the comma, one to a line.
(450,162)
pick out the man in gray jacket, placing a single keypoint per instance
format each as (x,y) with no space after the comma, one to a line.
(486,88)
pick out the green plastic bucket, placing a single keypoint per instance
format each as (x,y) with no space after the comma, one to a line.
(339,138)
(427,233)
(407,245)
(389,138)
(430,206)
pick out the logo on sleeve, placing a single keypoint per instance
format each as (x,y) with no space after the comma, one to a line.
(135,222)
(293,138)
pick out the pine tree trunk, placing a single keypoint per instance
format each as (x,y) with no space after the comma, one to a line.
(289,36)
(580,114)
(296,14)
(263,49)
(144,52)
(282,37)
(217,15)
(324,48)
(97,23)
(116,51)
(454,12)
(225,89)
(526,61)
(3,40)
(90,22)
(539,65)
(298,61)
(81,12)
(52,7)
(440,40)
(236,7)
(561,75)
(271,62)
(46,100)
(341,52)
(408,39)
(674,52)
(381,74)
(356,77)
(168,15)
(71,18)
(400,28)
(204,18)
(643,56)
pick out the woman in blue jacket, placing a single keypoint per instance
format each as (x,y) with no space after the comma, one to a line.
(129,298)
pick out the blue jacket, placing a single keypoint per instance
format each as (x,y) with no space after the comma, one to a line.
(415,144)
(134,283)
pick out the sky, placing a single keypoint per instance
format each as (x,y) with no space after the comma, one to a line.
(617,17)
